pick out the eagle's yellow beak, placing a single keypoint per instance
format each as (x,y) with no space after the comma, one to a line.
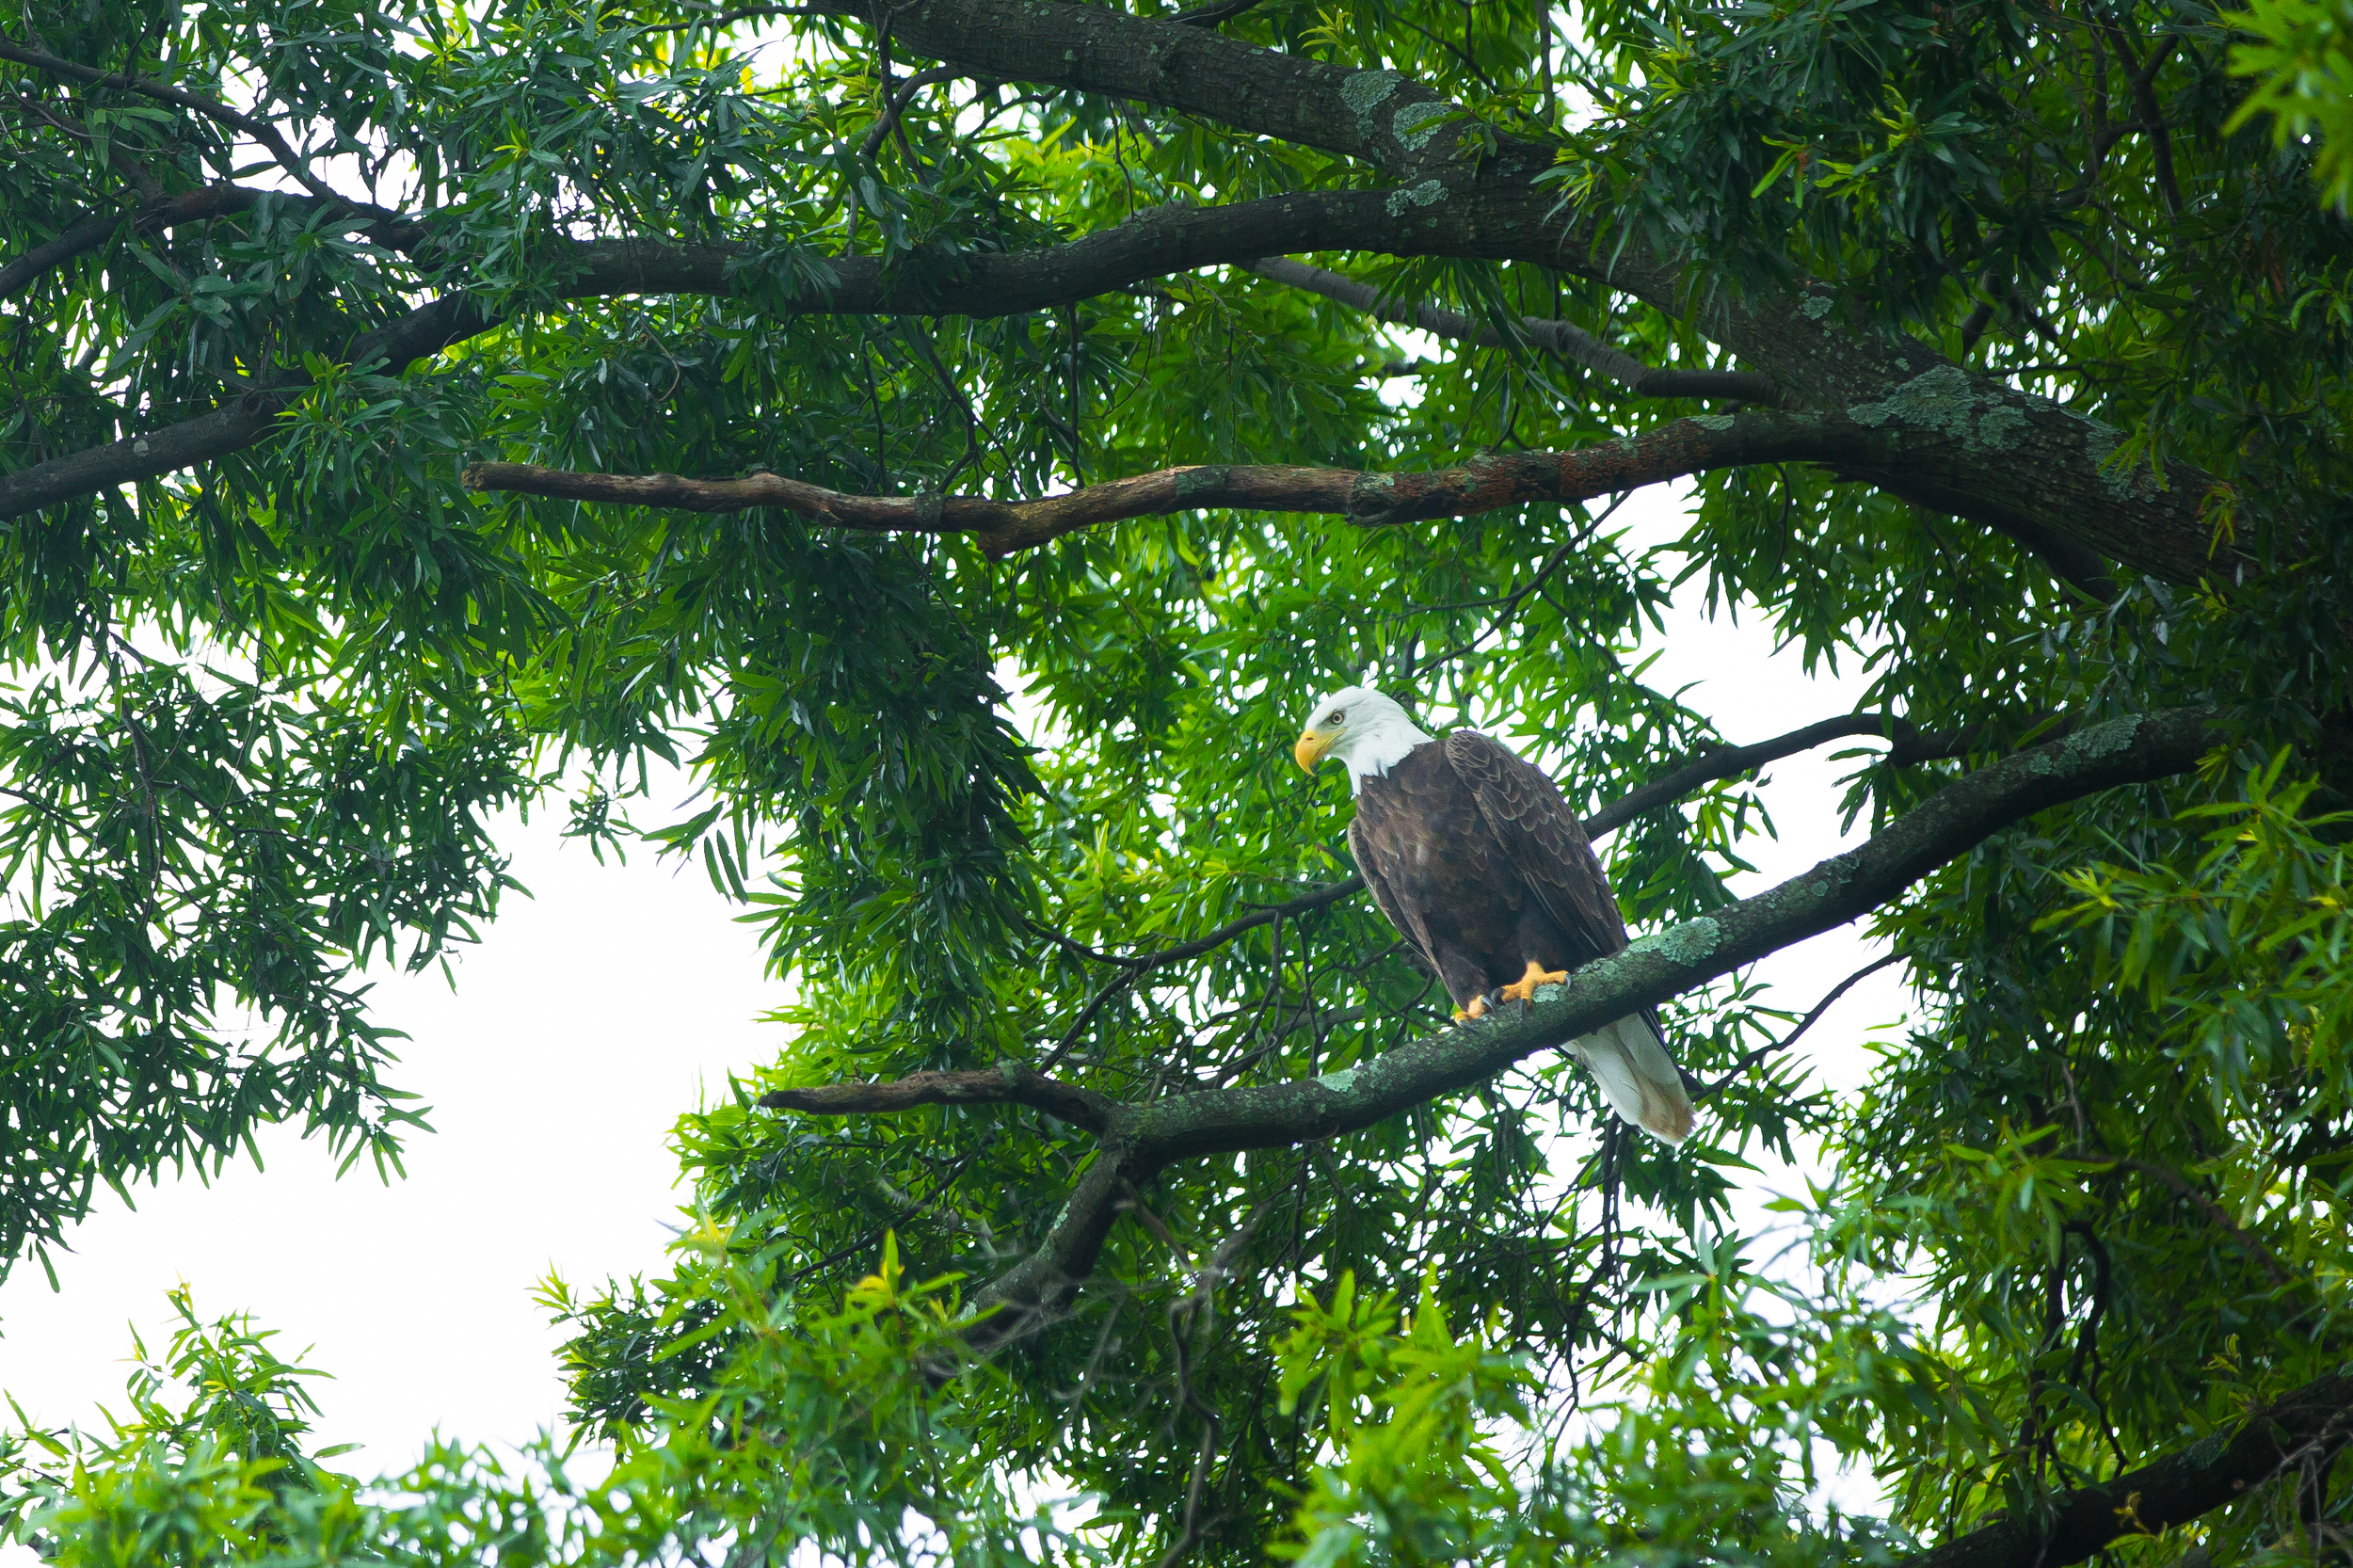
(1311,747)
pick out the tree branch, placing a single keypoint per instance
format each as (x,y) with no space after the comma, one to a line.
(2184,1189)
(1569,342)
(2218,1469)
(1773,1047)
(1211,16)
(1008,1083)
(1137,1141)
(1156,242)
(259,130)
(1485,484)
(1403,127)
(1912,744)
(193,206)
(895,104)
(1892,414)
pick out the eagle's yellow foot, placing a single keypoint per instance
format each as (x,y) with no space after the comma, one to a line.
(1478,1009)
(1524,988)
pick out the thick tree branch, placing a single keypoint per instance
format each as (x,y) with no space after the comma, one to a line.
(1007,1083)
(2218,1469)
(75,240)
(1367,500)
(1569,342)
(1380,118)
(1156,242)
(1136,1142)
(1912,425)
(1211,16)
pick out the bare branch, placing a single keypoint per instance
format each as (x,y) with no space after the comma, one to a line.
(1000,528)
(1773,1048)
(1007,1083)
(1314,899)
(1569,342)
(1912,744)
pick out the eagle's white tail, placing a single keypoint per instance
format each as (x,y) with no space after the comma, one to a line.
(1631,1062)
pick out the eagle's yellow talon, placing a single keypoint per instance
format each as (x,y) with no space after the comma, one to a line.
(1478,1009)
(1524,988)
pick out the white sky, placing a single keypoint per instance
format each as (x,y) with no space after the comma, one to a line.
(588,1021)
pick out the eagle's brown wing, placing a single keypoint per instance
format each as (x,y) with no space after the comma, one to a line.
(1406,920)
(1542,841)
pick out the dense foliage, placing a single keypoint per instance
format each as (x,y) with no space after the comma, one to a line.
(2054,312)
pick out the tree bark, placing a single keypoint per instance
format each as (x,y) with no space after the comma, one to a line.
(2218,1469)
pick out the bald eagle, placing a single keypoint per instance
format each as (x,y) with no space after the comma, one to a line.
(1484,869)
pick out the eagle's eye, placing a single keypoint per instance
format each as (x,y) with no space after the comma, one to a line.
(1337,716)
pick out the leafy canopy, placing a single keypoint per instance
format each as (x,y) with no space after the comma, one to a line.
(2056,318)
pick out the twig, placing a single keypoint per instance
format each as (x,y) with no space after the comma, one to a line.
(895,103)
(1571,343)
(721,19)
(1911,745)
(259,130)
(1772,1047)
(2206,1205)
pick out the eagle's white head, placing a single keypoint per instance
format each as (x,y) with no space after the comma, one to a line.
(1363,730)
